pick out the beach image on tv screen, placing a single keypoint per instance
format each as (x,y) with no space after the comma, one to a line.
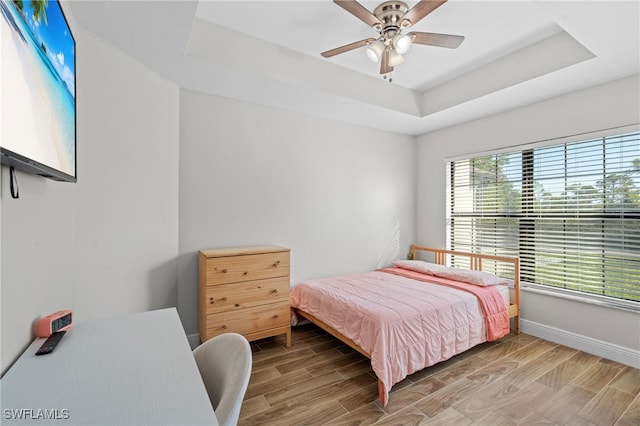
(38,83)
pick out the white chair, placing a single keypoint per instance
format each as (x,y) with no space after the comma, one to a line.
(225,366)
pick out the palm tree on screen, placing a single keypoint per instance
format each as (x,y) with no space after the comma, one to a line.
(39,10)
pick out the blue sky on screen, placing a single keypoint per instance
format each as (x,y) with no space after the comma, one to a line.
(57,38)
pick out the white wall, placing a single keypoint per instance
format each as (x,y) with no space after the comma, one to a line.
(37,257)
(602,107)
(107,244)
(340,196)
(126,227)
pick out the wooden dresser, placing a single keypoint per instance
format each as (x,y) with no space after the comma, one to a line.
(244,290)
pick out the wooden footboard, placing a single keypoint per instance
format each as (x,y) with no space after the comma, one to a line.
(440,256)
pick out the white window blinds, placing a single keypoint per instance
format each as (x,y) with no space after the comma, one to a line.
(571,212)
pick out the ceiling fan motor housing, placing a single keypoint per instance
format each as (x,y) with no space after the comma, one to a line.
(390,13)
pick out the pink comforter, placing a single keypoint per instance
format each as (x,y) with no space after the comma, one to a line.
(404,324)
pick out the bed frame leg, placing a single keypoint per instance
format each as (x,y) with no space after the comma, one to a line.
(381,394)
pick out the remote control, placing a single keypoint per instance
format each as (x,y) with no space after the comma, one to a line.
(50,344)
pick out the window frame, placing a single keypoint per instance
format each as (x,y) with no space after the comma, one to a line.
(526,222)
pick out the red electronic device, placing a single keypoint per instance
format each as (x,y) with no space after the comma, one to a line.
(57,321)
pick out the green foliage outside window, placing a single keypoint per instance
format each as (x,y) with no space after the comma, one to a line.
(571,212)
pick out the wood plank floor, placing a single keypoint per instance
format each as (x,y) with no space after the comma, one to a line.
(516,380)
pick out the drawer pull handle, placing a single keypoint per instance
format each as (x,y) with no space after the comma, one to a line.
(225,326)
(224,271)
(245,273)
(212,300)
(274,291)
(224,299)
(275,265)
(275,316)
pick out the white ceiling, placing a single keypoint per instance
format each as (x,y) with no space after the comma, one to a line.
(515,53)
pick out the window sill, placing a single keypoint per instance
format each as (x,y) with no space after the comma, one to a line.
(593,299)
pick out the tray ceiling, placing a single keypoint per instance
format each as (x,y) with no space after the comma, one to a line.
(268,52)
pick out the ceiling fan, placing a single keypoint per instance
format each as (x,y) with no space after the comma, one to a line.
(390,19)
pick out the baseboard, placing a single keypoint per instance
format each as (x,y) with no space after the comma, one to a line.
(590,345)
(194,340)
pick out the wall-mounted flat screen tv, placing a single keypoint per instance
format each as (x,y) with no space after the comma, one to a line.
(37,89)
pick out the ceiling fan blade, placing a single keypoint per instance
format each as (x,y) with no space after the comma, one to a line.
(360,12)
(384,63)
(347,47)
(433,39)
(419,11)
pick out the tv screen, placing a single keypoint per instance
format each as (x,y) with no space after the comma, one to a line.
(37,89)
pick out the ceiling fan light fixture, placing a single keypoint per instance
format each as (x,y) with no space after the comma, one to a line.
(390,19)
(374,51)
(401,43)
(395,58)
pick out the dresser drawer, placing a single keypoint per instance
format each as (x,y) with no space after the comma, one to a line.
(224,270)
(249,320)
(226,297)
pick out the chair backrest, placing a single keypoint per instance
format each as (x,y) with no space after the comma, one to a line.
(225,366)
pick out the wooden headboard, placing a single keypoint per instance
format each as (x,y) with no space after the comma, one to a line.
(475,263)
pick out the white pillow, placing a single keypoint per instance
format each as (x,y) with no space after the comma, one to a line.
(418,266)
(464,275)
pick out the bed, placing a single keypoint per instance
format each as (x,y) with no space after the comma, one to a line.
(416,313)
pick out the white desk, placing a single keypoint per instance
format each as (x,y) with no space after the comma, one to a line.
(133,369)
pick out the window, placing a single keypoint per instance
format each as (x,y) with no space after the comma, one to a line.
(571,212)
